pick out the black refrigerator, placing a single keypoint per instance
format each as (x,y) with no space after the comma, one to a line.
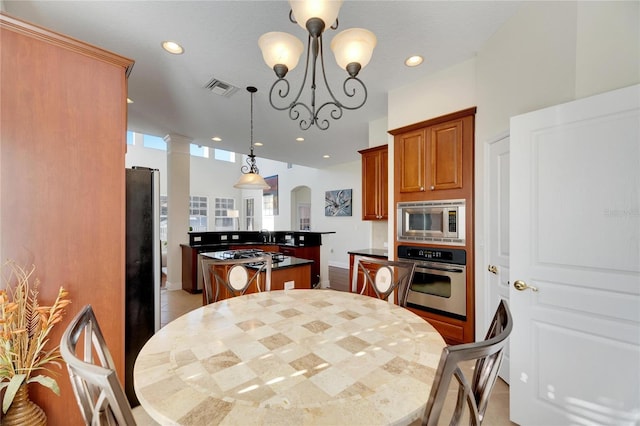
(143,266)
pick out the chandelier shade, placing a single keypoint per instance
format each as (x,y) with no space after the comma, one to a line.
(354,45)
(353,49)
(280,48)
(251,178)
(326,10)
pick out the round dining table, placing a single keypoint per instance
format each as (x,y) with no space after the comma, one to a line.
(292,357)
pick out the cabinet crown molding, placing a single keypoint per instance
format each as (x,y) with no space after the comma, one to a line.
(434,121)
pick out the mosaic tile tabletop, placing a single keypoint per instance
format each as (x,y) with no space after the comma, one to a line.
(297,357)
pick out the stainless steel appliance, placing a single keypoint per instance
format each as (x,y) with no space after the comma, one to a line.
(143,266)
(276,257)
(439,281)
(440,222)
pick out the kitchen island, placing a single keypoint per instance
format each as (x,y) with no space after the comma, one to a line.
(298,244)
(287,272)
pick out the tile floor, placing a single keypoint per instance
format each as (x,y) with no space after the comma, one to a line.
(178,302)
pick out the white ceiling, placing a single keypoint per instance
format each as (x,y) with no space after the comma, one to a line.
(220,40)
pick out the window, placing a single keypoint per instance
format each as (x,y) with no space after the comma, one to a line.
(221,154)
(198,214)
(304,217)
(249,213)
(163,217)
(199,151)
(269,202)
(154,142)
(223,222)
(129,138)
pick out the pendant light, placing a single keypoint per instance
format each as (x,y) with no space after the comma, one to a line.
(251,178)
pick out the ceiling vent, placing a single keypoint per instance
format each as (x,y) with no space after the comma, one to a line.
(221,88)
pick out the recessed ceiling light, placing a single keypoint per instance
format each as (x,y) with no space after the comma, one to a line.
(326,156)
(172,47)
(413,61)
(258,143)
(216,139)
(129,101)
(299,139)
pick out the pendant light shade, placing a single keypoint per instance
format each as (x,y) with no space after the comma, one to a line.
(251,178)
(251,181)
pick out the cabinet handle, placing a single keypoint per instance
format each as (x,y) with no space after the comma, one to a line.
(432,187)
(422,188)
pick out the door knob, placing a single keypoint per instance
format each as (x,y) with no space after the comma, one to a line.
(522,286)
(493,269)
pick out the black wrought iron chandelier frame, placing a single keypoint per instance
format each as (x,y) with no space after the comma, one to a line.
(334,107)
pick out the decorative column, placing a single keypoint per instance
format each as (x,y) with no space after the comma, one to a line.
(178,191)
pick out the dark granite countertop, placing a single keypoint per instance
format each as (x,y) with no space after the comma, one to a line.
(371,252)
(287,262)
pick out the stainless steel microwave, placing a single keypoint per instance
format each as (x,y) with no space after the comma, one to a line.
(438,222)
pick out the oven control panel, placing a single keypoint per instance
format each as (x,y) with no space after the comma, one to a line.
(453,256)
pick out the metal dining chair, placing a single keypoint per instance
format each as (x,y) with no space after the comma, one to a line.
(488,356)
(99,394)
(234,276)
(384,276)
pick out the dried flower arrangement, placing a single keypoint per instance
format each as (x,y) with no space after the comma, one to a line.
(24,331)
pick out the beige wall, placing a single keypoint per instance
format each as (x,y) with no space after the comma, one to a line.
(548,53)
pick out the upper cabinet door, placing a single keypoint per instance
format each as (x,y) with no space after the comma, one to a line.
(374,183)
(445,155)
(410,161)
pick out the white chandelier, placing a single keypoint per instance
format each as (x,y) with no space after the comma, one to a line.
(281,51)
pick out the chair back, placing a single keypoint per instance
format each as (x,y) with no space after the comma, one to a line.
(99,394)
(488,355)
(234,276)
(384,276)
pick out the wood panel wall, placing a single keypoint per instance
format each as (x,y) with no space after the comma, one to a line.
(62,180)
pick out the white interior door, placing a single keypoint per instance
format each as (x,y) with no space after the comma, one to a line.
(575,237)
(497,237)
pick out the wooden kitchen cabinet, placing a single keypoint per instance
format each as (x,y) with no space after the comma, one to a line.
(444,145)
(375,183)
(306,252)
(411,158)
(62,182)
(434,158)
(300,275)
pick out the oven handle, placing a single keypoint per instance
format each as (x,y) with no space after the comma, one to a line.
(435,268)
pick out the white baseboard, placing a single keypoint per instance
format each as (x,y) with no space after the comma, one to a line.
(173,286)
(339,264)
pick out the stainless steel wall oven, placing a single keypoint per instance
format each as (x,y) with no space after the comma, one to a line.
(439,284)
